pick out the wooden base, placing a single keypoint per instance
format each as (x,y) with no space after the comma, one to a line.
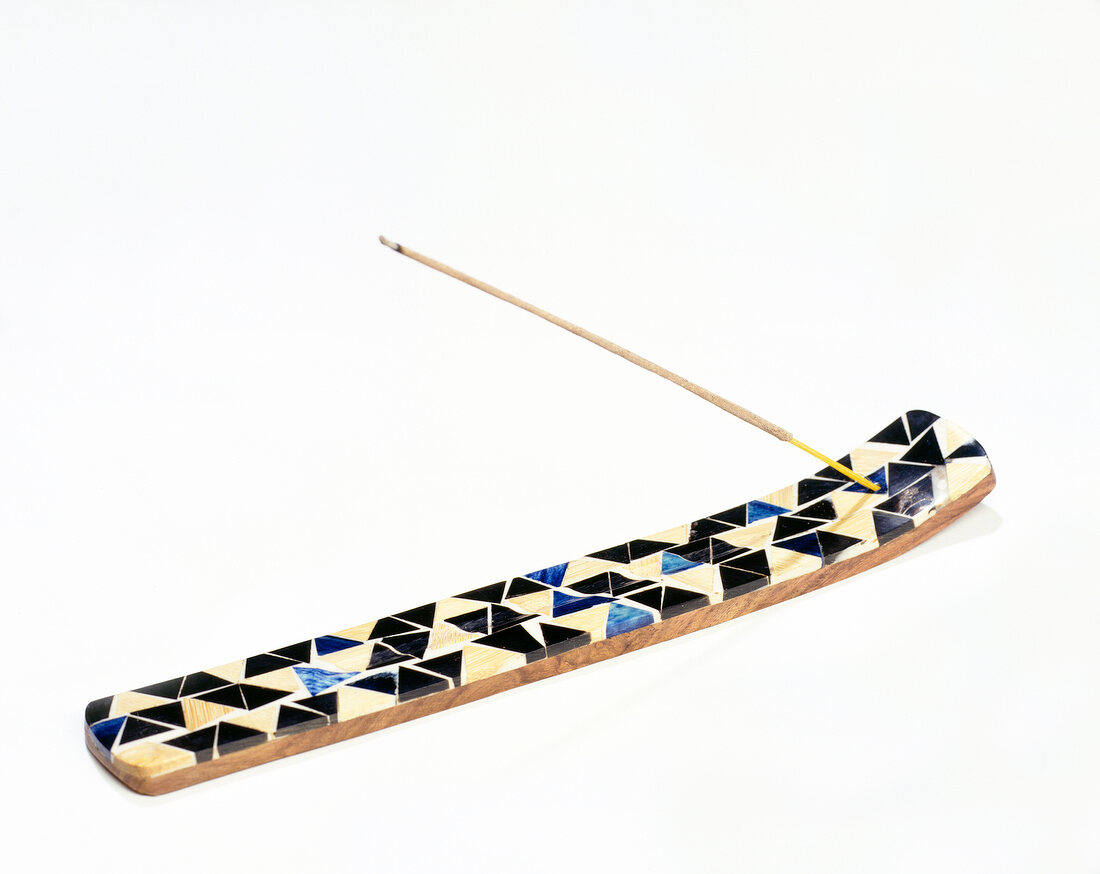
(597,651)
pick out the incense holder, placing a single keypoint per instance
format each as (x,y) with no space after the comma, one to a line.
(316,691)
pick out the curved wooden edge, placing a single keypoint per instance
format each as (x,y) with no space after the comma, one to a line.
(704,617)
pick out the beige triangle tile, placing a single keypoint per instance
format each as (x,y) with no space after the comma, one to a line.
(230,672)
(851,503)
(754,537)
(354,658)
(593,620)
(866,461)
(785,497)
(951,436)
(154,759)
(537,602)
(128,702)
(358,632)
(700,579)
(786,564)
(444,636)
(583,568)
(679,534)
(283,679)
(352,702)
(481,662)
(963,475)
(860,525)
(198,713)
(648,568)
(261,719)
(449,607)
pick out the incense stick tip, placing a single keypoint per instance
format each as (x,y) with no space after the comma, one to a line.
(395,246)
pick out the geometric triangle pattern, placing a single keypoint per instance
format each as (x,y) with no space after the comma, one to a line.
(921,462)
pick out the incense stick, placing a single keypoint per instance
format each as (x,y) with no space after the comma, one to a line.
(722,403)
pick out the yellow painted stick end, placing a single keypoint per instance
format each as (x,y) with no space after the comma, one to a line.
(836,465)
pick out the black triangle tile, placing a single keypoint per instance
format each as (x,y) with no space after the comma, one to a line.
(559,639)
(98,709)
(258,696)
(234,738)
(900,474)
(925,451)
(413,644)
(620,554)
(600,584)
(888,525)
(707,528)
(474,622)
(493,593)
(736,516)
(788,526)
(193,684)
(297,652)
(812,489)
(736,582)
(911,500)
(516,639)
(505,617)
(137,729)
(325,703)
(642,548)
(449,665)
(230,696)
(823,510)
(832,544)
(295,719)
(721,551)
(171,713)
(973,449)
(385,683)
(165,689)
(919,420)
(265,663)
(695,550)
(412,684)
(647,597)
(893,433)
(382,656)
(423,616)
(757,562)
(677,601)
(523,586)
(200,742)
(390,625)
(620,585)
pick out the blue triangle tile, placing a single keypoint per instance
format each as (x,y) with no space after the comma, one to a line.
(878,478)
(550,576)
(673,564)
(807,544)
(330,643)
(763,510)
(316,680)
(622,618)
(565,604)
(105,732)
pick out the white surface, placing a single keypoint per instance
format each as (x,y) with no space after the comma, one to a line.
(229,419)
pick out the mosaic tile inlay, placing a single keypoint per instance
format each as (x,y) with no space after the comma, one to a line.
(921,461)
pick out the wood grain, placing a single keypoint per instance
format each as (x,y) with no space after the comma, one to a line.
(131,774)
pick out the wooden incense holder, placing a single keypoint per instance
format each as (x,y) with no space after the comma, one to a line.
(824,528)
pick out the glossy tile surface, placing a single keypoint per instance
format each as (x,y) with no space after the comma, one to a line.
(921,461)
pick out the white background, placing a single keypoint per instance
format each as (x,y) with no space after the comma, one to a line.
(229,419)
